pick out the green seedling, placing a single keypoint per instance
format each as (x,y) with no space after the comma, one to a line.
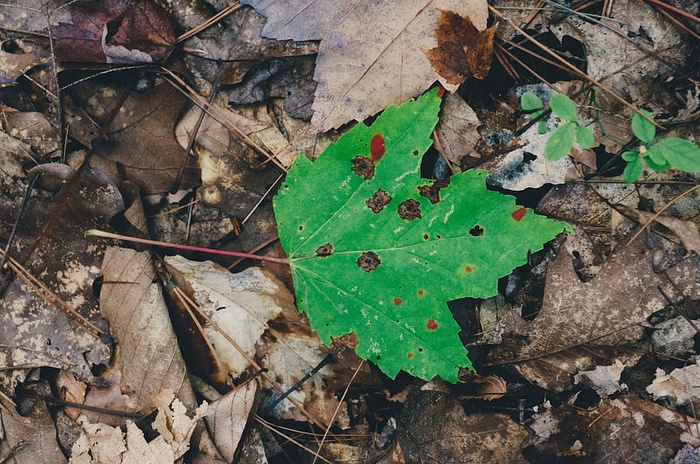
(666,153)
(562,139)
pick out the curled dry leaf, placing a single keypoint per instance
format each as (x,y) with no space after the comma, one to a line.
(227,417)
(463,51)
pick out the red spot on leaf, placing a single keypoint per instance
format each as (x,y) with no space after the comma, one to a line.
(377,148)
(409,355)
(518,214)
(467,269)
(397,301)
(432,325)
(441,91)
(421,292)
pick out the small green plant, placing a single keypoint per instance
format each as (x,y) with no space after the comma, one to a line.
(670,152)
(561,141)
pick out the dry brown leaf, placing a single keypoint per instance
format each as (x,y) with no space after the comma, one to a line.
(608,310)
(463,51)
(33,437)
(227,417)
(371,53)
(434,424)
(139,320)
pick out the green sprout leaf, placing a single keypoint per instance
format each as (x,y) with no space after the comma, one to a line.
(643,129)
(531,104)
(680,153)
(656,155)
(560,142)
(630,156)
(542,127)
(377,251)
(633,170)
(584,137)
(658,167)
(563,107)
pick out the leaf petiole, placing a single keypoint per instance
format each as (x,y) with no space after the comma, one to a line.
(126,238)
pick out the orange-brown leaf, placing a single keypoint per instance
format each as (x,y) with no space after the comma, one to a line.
(462,51)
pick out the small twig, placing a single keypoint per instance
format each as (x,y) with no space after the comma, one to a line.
(209,22)
(666,206)
(126,238)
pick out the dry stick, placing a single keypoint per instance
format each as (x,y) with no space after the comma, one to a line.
(262,198)
(209,22)
(252,361)
(574,70)
(267,242)
(438,147)
(675,10)
(176,246)
(217,113)
(666,206)
(337,409)
(678,23)
(272,429)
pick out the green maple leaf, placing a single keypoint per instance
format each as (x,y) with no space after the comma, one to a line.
(377,251)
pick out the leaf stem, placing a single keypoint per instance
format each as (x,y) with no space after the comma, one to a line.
(126,238)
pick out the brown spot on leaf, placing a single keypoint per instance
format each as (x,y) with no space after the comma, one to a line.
(432,325)
(324,250)
(409,355)
(363,167)
(397,301)
(409,209)
(368,261)
(378,201)
(467,269)
(426,236)
(421,292)
(476,231)
(432,191)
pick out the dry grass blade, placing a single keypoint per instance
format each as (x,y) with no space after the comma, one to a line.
(209,22)
(272,429)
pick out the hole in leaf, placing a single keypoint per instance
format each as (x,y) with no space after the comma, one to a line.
(368,261)
(426,236)
(324,250)
(378,201)
(420,349)
(301,228)
(363,167)
(409,209)
(476,231)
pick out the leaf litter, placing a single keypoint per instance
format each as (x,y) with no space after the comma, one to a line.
(562,322)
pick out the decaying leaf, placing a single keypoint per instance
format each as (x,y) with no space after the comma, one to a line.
(227,417)
(381,251)
(134,306)
(463,51)
(682,384)
(31,437)
(433,424)
(371,53)
(114,31)
(608,310)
